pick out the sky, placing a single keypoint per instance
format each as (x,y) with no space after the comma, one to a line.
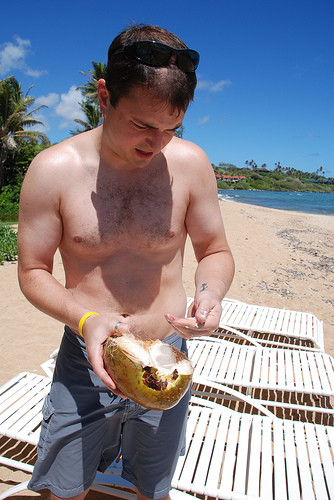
(265,80)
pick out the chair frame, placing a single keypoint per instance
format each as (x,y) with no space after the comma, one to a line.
(273,369)
(263,324)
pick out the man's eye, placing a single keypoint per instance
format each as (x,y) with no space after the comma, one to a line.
(139,127)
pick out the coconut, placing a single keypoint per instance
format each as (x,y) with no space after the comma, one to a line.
(151,373)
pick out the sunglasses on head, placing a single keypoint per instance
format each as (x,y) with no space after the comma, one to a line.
(158,54)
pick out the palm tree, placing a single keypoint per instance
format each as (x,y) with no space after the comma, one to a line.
(14,118)
(90,104)
(89,90)
(93,116)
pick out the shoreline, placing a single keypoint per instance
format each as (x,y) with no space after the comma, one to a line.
(299,205)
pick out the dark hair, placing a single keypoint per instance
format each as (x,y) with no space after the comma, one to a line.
(168,84)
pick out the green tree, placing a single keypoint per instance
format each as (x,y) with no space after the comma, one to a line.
(90,104)
(14,119)
(89,90)
(179,132)
(93,118)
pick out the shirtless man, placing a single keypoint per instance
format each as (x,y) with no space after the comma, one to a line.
(118,202)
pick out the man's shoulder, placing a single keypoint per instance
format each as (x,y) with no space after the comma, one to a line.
(187,152)
(69,151)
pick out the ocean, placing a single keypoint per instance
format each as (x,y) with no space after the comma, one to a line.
(313,203)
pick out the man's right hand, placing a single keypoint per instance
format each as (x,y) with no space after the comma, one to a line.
(96,330)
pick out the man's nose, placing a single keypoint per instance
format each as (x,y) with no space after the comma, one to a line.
(155,140)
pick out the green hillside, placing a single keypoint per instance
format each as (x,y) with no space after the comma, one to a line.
(280,179)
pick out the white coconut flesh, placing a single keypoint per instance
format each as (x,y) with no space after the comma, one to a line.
(157,355)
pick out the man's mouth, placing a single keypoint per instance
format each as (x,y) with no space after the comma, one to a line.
(144,154)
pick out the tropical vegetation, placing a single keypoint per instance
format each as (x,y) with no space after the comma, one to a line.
(90,102)
(8,244)
(279,178)
(15,118)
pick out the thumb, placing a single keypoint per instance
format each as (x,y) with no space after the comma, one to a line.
(202,313)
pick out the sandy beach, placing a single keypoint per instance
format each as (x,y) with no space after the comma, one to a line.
(283,259)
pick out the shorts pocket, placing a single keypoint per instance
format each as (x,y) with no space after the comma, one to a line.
(47,411)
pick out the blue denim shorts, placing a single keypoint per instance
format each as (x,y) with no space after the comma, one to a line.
(85,426)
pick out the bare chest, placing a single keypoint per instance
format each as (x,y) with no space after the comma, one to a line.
(145,214)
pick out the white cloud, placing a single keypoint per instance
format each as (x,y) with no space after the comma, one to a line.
(69,108)
(49,100)
(213,86)
(203,120)
(13,57)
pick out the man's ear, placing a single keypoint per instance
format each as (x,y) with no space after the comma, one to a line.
(103,94)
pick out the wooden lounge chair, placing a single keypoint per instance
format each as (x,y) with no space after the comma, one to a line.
(270,326)
(256,367)
(229,454)
(235,456)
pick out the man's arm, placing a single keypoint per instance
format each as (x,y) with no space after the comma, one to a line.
(215,268)
(39,235)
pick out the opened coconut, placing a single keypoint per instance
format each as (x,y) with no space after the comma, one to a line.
(153,374)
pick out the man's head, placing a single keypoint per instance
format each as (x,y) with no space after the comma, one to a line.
(168,75)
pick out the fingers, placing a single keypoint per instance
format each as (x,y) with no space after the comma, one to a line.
(189,327)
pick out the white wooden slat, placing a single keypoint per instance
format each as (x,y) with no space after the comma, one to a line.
(281,376)
(214,360)
(273,368)
(267,477)
(189,466)
(315,460)
(289,371)
(197,357)
(264,377)
(237,312)
(204,461)
(16,391)
(242,458)
(326,453)
(219,457)
(232,366)
(298,375)
(241,366)
(279,463)
(251,311)
(248,367)
(329,364)
(228,309)
(25,404)
(279,321)
(193,416)
(268,320)
(317,386)
(291,460)
(227,478)
(219,354)
(303,360)
(26,423)
(7,385)
(286,322)
(254,466)
(256,376)
(292,322)
(258,320)
(304,326)
(226,366)
(325,385)
(303,462)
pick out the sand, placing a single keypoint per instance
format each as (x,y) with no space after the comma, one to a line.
(283,259)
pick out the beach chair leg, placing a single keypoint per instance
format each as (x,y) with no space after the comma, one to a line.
(14,490)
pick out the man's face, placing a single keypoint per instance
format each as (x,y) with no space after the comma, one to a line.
(137,128)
